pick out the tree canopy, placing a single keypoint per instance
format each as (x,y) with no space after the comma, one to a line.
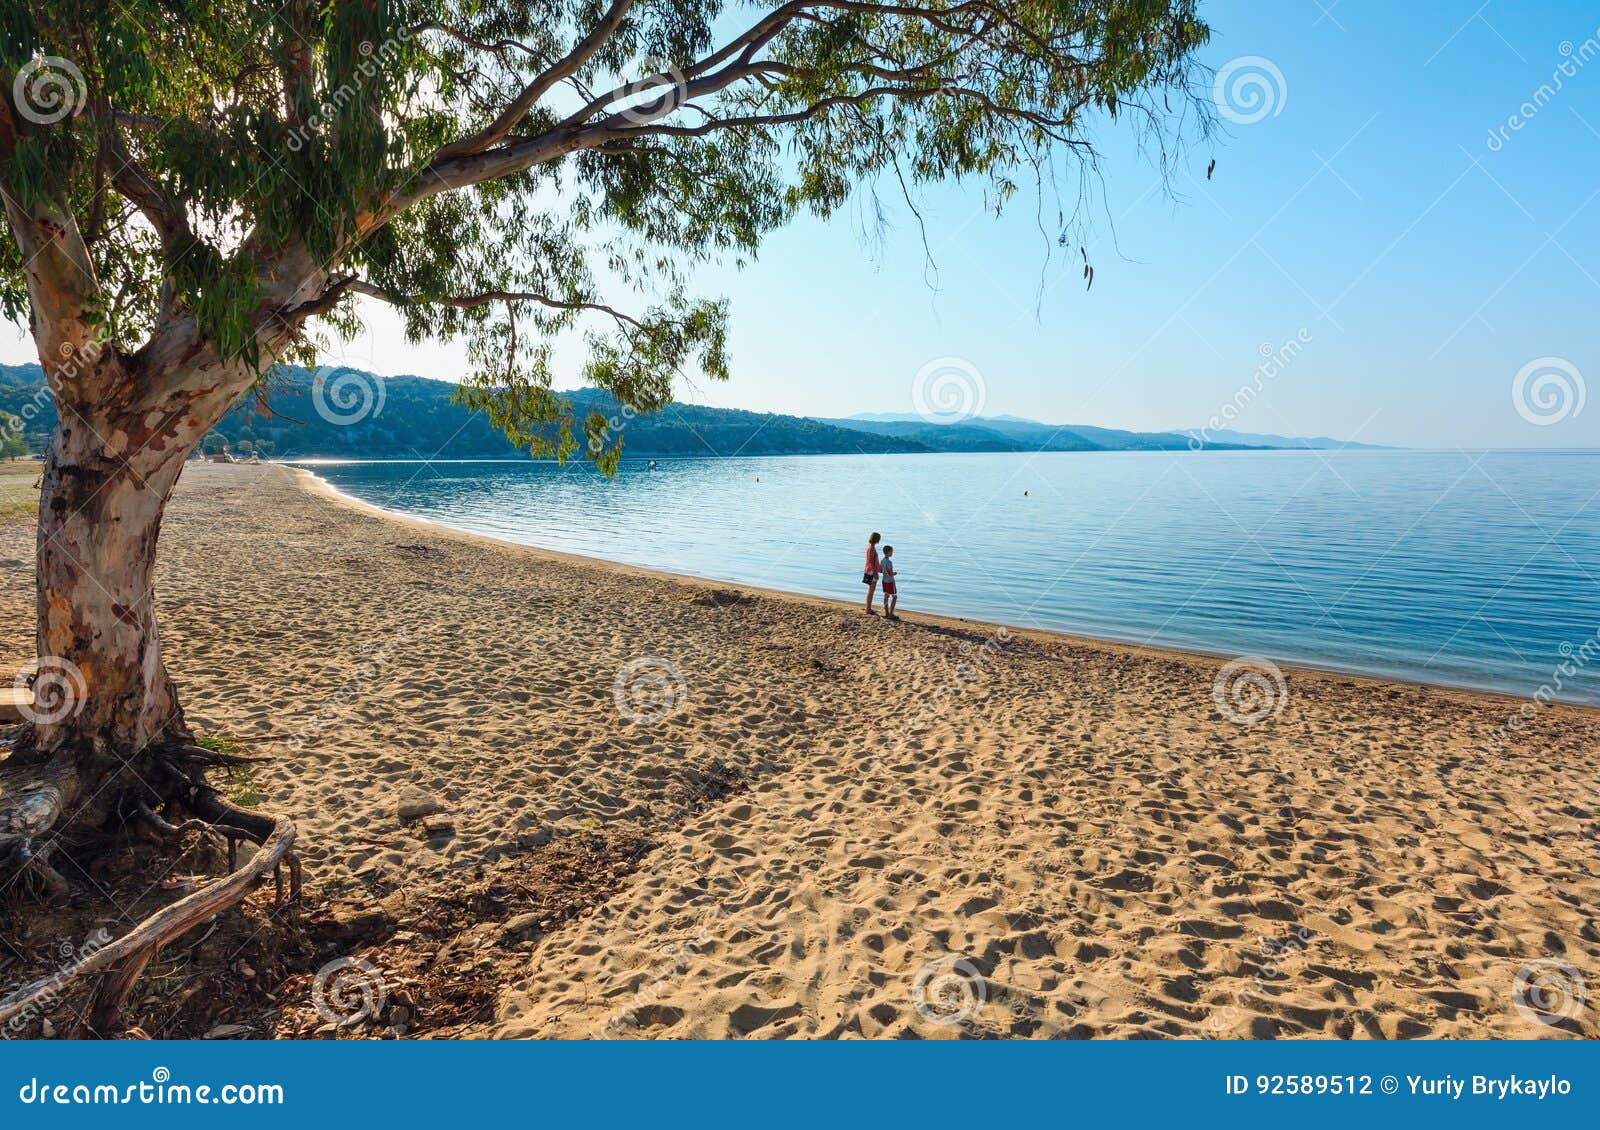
(223,175)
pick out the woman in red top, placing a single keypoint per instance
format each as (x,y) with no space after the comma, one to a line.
(870,576)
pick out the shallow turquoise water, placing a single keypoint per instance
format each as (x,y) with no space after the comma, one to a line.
(1474,569)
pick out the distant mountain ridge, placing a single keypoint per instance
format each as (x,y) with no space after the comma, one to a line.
(1212,436)
(1012,433)
(1017,433)
(367,416)
(410,417)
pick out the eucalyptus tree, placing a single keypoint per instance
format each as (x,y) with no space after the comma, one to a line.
(197,192)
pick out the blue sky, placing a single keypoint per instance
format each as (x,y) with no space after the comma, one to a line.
(1369,213)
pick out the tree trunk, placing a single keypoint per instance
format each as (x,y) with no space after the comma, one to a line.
(99,518)
(105,709)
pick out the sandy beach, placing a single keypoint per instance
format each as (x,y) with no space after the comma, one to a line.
(932,829)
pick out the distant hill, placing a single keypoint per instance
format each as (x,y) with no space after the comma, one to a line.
(417,418)
(1015,433)
(1259,439)
(414,417)
(1011,433)
(23,395)
(692,429)
(966,436)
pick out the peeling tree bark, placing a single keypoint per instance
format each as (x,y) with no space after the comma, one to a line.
(104,702)
(99,521)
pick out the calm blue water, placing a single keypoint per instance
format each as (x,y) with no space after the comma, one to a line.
(1471,569)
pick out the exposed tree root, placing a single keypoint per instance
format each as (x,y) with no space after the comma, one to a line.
(32,805)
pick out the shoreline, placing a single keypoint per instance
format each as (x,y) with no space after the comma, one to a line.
(1300,669)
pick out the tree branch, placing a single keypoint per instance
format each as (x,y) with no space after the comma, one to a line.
(498,47)
(129,178)
(62,287)
(513,114)
(344,286)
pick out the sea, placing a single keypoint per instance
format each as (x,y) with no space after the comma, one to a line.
(1476,569)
